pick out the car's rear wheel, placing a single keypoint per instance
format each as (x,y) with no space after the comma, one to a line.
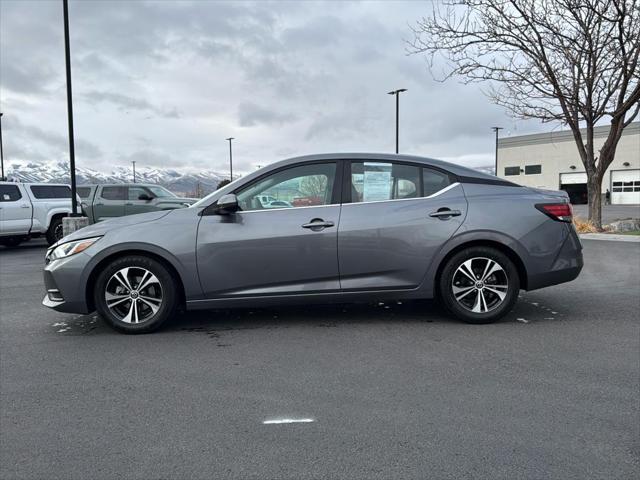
(479,285)
(135,294)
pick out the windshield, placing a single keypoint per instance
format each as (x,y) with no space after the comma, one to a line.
(161,192)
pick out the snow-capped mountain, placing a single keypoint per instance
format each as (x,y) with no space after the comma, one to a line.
(185,183)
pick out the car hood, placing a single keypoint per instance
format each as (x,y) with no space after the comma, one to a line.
(178,200)
(100,228)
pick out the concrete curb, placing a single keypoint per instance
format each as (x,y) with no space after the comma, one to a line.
(610,237)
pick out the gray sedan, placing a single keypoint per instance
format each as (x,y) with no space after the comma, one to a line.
(346,227)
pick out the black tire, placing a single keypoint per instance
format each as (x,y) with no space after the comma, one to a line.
(55,232)
(11,242)
(167,288)
(486,295)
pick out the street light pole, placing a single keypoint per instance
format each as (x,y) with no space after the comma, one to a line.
(397,94)
(134,170)
(72,155)
(496,129)
(230,159)
(1,152)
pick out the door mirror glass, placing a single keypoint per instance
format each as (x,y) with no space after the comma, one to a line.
(227,204)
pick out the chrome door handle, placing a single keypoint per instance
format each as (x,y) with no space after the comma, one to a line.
(445,212)
(318,224)
(99,204)
(128,203)
(24,206)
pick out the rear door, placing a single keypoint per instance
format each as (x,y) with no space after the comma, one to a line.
(109,202)
(398,217)
(15,211)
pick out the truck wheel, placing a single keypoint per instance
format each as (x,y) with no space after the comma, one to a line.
(135,294)
(11,242)
(55,231)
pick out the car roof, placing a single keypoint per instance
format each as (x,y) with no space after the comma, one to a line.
(450,167)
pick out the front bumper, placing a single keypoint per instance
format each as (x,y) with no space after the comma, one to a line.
(65,284)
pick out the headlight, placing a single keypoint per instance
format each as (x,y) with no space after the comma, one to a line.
(71,248)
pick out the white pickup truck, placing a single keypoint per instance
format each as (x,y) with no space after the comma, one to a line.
(32,209)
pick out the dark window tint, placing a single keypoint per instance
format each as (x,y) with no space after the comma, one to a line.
(510,171)
(83,191)
(434,181)
(532,169)
(379,181)
(9,193)
(114,193)
(50,191)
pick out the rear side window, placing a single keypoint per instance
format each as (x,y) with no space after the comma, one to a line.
(83,191)
(114,193)
(9,193)
(50,191)
(379,181)
(434,181)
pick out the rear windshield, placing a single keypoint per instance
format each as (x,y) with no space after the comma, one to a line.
(83,191)
(50,191)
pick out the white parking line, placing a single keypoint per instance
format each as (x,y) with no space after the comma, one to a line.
(288,420)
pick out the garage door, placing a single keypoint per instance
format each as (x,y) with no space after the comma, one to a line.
(625,187)
(573,178)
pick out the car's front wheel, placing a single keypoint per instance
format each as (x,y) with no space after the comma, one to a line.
(135,294)
(479,285)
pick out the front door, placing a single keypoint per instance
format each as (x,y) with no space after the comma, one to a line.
(15,211)
(398,218)
(278,247)
(135,205)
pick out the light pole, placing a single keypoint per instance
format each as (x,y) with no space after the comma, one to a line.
(134,170)
(230,159)
(72,154)
(496,129)
(397,94)
(1,152)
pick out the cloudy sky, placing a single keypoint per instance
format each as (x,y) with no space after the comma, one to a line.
(164,83)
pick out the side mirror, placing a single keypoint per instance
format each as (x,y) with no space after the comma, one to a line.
(227,204)
(146,197)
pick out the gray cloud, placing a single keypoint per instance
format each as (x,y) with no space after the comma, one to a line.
(250,114)
(309,75)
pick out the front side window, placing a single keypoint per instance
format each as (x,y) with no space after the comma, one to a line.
(135,192)
(301,186)
(113,193)
(9,193)
(50,191)
(379,181)
(161,192)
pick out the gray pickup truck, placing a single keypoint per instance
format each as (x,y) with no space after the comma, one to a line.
(101,202)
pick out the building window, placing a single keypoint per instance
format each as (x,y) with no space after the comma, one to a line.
(509,171)
(533,169)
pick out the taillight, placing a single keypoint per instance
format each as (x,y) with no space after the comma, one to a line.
(561,212)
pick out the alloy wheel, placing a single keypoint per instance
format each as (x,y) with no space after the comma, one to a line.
(480,285)
(133,294)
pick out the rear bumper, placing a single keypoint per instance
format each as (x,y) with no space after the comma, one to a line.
(566,267)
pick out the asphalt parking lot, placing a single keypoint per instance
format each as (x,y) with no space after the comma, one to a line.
(394,390)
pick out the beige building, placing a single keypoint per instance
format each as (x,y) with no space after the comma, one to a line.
(551,160)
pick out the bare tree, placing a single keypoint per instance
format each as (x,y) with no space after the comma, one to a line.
(569,61)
